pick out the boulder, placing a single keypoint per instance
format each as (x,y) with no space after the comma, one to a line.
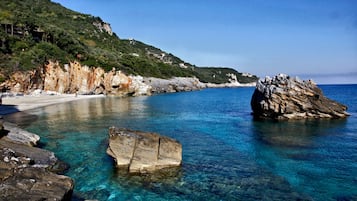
(141,152)
(16,134)
(285,97)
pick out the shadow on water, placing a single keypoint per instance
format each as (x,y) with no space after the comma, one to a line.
(8,109)
(21,119)
(298,133)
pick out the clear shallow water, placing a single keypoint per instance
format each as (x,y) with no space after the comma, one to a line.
(226,155)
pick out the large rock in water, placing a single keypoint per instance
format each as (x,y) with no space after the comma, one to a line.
(284,97)
(140,152)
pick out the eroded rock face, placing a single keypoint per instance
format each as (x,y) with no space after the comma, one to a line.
(75,78)
(140,152)
(284,97)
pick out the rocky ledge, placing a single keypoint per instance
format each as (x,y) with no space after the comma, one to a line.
(285,97)
(29,173)
(141,152)
(176,84)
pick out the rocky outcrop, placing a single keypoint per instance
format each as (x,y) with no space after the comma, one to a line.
(140,152)
(28,173)
(18,135)
(285,97)
(75,78)
(103,27)
(176,84)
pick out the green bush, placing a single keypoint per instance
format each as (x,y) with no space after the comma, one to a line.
(41,53)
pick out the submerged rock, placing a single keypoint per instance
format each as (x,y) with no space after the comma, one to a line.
(284,97)
(141,152)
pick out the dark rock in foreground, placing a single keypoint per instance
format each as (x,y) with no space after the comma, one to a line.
(140,152)
(28,173)
(283,97)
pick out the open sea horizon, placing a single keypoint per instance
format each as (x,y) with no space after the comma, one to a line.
(227,155)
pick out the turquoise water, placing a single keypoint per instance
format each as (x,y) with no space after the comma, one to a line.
(226,154)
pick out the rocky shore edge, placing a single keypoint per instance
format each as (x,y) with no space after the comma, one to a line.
(28,172)
(73,78)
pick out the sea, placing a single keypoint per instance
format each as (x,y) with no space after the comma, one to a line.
(227,155)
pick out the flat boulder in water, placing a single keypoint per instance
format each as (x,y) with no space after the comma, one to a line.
(142,152)
(284,97)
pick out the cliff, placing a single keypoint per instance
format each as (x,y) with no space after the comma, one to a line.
(75,78)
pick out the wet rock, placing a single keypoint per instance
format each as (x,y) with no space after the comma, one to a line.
(140,152)
(24,174)
(284,97)
(16,134)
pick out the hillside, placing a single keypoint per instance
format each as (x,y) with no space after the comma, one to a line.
(32,32)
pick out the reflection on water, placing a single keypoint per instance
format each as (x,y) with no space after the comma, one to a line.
(299,133)
(83,110)
(307,154)
(23,119)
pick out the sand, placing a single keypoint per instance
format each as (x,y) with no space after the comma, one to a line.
(27,102)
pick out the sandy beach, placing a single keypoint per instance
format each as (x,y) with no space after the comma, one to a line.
(27,102)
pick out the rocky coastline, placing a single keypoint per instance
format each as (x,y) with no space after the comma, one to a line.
(28,172)
(74,78)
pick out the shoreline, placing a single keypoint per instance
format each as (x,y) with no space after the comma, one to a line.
(20,103)
(27,102)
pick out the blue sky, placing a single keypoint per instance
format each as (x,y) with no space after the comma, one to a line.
(311,38)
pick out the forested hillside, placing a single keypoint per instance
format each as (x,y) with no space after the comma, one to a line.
(33,32)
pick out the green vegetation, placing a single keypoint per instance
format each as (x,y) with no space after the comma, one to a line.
(35,31)
(219,75)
